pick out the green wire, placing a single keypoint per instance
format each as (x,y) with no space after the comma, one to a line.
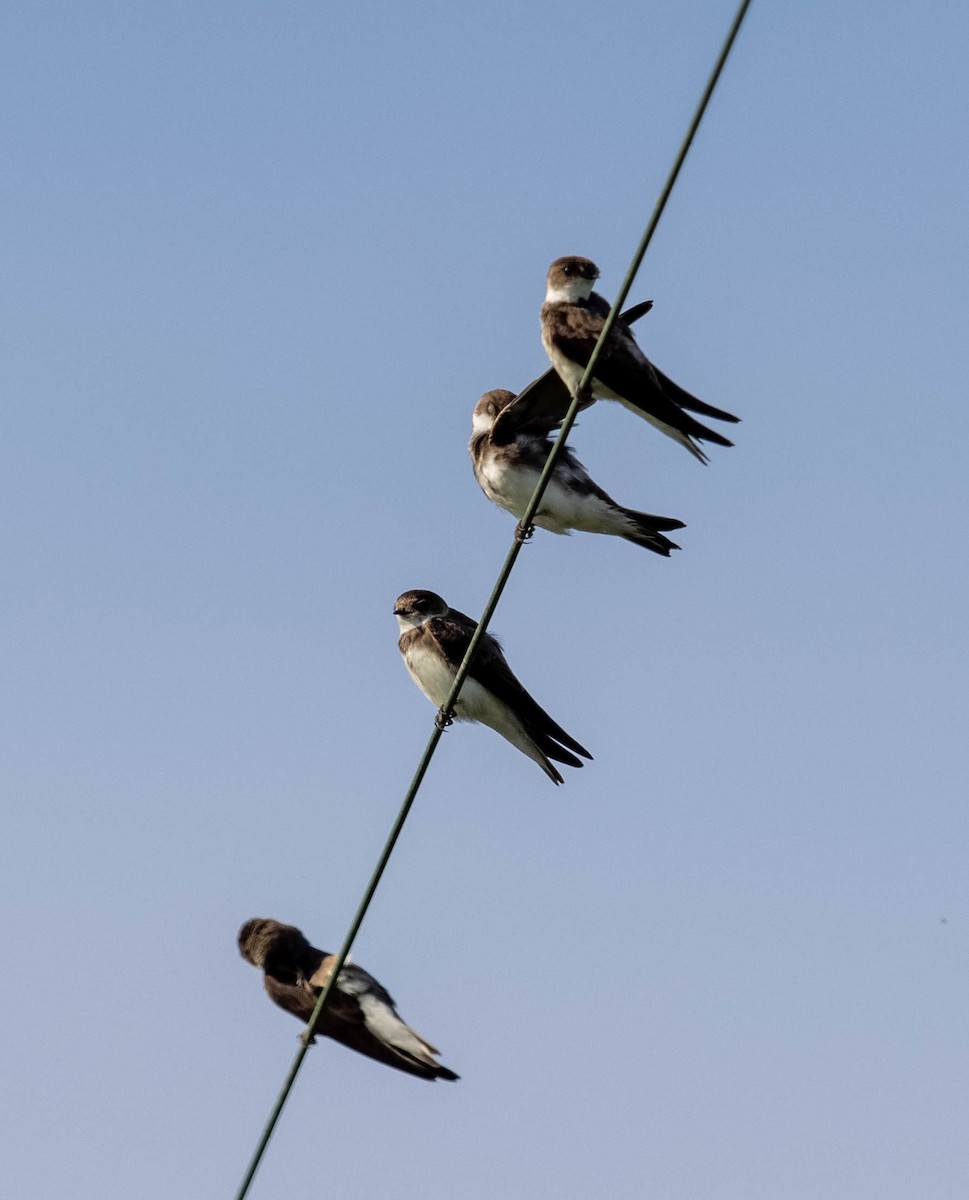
(521,535)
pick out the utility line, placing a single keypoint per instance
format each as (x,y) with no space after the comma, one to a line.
(522,533)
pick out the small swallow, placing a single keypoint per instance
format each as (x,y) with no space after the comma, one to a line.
(508,461)
(542,405)
(433,641)
(572,318)
(359,1013)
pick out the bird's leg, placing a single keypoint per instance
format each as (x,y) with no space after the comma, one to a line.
(524,533)
(442,720)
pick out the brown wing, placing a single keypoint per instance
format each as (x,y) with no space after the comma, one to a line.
(633,377)
(296,998)
(686,399)
(492,671)
(453,635)
(346,1022)
(294,982)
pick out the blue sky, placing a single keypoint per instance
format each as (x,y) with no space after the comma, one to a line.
(260,263)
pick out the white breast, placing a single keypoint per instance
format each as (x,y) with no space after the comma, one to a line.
(434,676)
(429,670)
(569,372)
(562,508)
(509,487)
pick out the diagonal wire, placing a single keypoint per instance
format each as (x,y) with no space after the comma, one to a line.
(521,535)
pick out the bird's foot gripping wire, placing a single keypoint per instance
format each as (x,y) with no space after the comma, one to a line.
(524,533)
(442,720)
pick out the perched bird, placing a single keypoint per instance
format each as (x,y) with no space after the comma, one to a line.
(359,1013)
(433,641)
(572,318)
(508,460)
(542,405)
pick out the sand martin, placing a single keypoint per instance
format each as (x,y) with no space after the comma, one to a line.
(542,405)
(572,318)
(507,462)
(433,641)
(359,1013)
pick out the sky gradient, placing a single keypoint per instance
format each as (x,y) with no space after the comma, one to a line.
(260,263)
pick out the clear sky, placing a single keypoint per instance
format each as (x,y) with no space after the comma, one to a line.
(260,262)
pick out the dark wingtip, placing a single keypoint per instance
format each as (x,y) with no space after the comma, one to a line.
(560,754)
(663,548)
(637,311)
(707,410)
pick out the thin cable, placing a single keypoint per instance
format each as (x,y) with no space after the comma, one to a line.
(522,533)
(342,956)
(584,384)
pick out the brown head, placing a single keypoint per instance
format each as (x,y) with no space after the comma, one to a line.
(571,278)
(487,409)
(261,937)
(414,608)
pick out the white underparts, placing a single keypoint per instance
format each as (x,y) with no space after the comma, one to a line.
(563,507)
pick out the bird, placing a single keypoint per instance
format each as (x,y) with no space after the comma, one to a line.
(508,461)
(542,405)
(572,318)
(433,641)
(360,1012)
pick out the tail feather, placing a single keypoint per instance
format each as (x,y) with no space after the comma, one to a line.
(553,734)
(687,400)
(645,531)
(695,429)
(556,776)
(556,752)
(687,430)
(650,521)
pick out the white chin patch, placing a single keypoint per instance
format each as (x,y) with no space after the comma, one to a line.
(481,422)
(411,620)
(574,289)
